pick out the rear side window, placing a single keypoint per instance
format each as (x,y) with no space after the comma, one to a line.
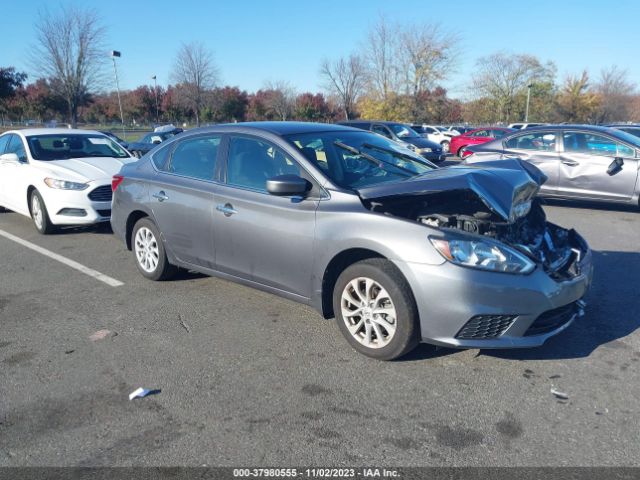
(251,162)
(541,141)
(4,140)
(381,130)
(195,157)
(161,157)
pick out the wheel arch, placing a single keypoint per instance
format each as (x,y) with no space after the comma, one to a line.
(131,221)
(335,267)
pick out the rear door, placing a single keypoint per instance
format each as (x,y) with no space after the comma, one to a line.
(541,149)
(585,158)
(261,237)
(182,196)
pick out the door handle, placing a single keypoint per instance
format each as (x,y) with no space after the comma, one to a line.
(160,196)
(227,209)
(571,163)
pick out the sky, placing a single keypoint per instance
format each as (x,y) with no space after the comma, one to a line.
(255,41)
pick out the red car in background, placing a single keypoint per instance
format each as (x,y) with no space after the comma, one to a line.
(475,137)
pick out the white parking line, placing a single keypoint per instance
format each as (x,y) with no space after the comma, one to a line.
(67,261)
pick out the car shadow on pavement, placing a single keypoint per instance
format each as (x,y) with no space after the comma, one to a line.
(612,313)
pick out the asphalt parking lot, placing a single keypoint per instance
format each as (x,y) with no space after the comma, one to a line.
(250,379)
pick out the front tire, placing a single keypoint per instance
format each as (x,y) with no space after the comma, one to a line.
(445,146)
(148,250)
(40,215)
(375,309)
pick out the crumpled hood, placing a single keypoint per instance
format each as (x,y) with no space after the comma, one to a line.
(86,169)
(506,187)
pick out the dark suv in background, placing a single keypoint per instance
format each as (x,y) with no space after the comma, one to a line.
(402,134)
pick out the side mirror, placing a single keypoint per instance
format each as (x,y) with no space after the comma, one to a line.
(615,166)
(9,158)
(288,185)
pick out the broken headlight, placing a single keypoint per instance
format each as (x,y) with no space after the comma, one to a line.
(485,255)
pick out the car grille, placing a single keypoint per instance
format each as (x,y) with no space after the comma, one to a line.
(104,213)
(101,194)
(485,326)
(552,319)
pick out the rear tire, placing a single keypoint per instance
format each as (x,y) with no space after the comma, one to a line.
(40,215)
(375,309)
(149,253)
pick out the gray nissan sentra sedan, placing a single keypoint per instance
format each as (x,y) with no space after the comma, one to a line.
(398,250)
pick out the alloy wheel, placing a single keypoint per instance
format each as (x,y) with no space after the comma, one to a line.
(368,312)
(36,211)
(146,248)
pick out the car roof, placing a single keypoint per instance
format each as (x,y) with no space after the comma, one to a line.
(565,126)
(27,132)
(276,128)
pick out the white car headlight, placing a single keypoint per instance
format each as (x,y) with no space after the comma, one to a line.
(485,255)
(64,185)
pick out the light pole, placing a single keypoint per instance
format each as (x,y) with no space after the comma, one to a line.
(114,54)
(155,89)
(526,112)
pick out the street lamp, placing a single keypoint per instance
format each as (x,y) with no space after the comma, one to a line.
(114,54)
(526,112)
(155,83)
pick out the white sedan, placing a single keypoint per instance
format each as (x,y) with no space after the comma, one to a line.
(59,176)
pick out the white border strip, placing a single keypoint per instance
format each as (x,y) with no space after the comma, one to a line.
(112,282)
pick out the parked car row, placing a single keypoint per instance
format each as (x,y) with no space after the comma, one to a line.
(348,220)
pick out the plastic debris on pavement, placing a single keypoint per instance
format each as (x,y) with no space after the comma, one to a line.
(142,392)
(559,394)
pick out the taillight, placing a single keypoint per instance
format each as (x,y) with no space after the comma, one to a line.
(115,181)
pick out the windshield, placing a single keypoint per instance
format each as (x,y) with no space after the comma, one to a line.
(74,145)
(357,159)
(403,131)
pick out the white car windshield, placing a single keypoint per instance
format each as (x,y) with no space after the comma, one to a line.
(49,147)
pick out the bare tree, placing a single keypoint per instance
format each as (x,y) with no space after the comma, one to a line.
(195,70)
(380,54)
(426,55)
(281,99)
(615,92)
(70,50)
(500,78)
(346,78)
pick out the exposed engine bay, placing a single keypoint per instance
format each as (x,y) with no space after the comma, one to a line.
(556,249)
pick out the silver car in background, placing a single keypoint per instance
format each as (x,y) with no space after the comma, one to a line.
(355,225)
(581,162)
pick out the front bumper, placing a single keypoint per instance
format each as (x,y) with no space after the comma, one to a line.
(73,207)
(449,297)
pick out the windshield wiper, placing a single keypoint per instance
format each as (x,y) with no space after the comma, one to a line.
(371,158)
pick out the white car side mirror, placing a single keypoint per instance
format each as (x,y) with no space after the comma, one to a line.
(9,158)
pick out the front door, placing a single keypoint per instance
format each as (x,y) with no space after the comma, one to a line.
(15,177)
(583,167)
(182,198)
(262,237)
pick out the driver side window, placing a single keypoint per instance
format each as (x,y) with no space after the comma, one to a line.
(17,146)
(251,162)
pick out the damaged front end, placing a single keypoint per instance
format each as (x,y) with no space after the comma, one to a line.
(496,202)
